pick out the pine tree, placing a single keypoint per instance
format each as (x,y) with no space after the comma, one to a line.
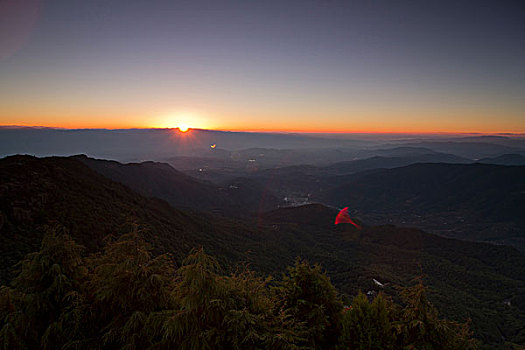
(126,291)
(368,325)
(224,312)
(307,294)
(420,327)
(45,290)
(255,321)
(199,295)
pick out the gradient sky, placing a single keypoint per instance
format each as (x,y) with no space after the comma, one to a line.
(400,66)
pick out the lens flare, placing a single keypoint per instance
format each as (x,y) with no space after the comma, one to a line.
(343,217)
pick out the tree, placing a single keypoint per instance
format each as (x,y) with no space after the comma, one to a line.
(420,327)
(368,325)
(47,287)
(307,294)
(127,292)
(224,312)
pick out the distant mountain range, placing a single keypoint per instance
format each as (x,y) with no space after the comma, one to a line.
(505,159)
(467,279)
(235,149)
(379,162)
(471,150)
(152,144)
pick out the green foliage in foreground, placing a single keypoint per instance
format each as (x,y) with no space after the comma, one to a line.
(124,298)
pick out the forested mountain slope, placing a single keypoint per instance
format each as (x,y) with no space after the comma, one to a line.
(480,202)
(467,279)
(153,179)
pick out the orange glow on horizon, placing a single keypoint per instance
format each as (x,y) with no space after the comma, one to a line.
(186,129)
(374,131)
(369,122)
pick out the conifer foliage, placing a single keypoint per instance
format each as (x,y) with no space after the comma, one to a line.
(310,298)
(421,328)
(37,310)
(369,325)
(126,298)
(127,290)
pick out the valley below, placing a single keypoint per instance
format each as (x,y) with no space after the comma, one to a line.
(458,225)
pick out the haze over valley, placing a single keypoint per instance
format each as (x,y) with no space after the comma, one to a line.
(276,197)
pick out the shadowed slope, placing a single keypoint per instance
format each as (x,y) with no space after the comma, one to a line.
(160,180)
(468,279)
(472,201)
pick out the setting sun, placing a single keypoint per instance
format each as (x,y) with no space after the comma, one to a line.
(183,120)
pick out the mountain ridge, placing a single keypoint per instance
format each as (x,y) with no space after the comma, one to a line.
(467,279)
(462,194)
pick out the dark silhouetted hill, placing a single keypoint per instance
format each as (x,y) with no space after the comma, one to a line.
(467,279)
(471,150)
(474,201)
(310,214)
(391,162)
(506,159)
(160,180)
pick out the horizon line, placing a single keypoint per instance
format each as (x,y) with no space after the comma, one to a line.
(266,131)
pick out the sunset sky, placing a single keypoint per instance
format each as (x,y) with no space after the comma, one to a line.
(325,65)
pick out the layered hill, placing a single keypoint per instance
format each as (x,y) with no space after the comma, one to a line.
(379,162)
(474,148)
(295,183)
(505,159)
(469,201)
(468,279)
(161,180)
